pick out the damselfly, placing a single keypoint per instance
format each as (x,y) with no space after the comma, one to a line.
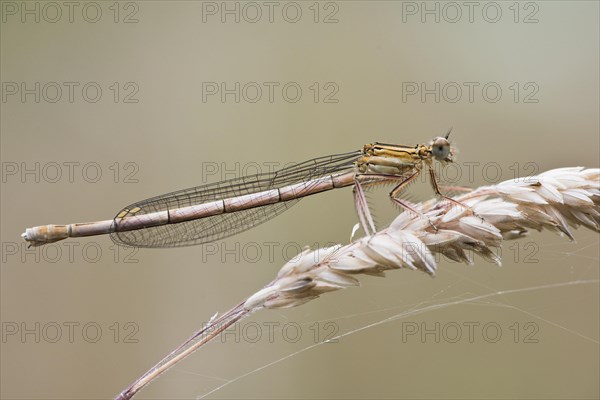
(215,211)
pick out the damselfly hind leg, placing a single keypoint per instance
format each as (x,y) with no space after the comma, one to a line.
(362,207)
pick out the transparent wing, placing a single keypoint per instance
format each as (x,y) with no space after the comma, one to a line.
(220,226)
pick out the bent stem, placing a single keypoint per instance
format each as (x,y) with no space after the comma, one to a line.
(212,329)
(555,200)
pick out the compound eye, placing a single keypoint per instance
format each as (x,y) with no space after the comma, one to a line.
(440,148)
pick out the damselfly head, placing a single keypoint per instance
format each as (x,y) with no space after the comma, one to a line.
(441,149)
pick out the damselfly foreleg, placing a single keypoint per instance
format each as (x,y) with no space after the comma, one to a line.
(436,188)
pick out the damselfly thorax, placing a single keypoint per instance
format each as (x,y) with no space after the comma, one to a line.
(390,163)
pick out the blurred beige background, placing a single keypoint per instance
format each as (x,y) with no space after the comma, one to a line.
(157,127)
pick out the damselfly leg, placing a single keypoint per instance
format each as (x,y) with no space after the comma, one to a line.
(372,179)
(438,192)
